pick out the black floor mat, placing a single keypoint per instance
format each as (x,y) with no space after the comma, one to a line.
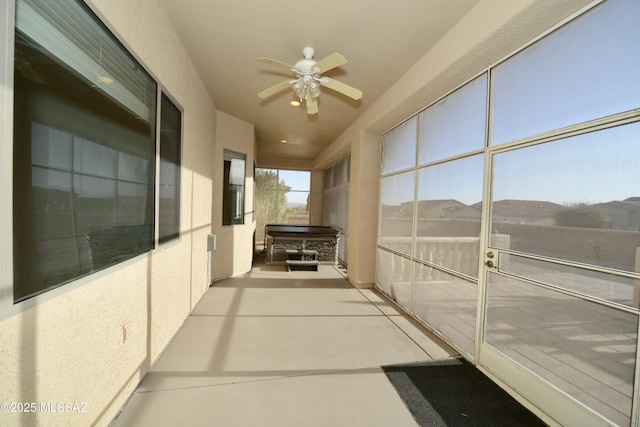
(453,392)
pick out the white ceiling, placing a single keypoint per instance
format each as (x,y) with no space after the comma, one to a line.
(381,39)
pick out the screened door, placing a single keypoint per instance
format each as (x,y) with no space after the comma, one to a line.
(561,224)
(561,261)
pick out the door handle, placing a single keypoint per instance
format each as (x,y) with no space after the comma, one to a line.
(489,262)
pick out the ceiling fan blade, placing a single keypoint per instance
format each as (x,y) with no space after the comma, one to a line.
(277,63)
(344,89)
(330,62)
(312,103)
(274,89)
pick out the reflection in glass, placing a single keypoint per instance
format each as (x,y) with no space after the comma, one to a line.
(132,168)
(454,125)
(449,211)
(52,207)
(396,212)
(44,178)
(233,188)
(50,147)
(57,260)
(581,72)
(447,304)
(94,159)
(131,203)
(94,203)
(399,147)
(585,349)
(575,198)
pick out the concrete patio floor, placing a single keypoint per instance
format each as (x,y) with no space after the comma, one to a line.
(278,348)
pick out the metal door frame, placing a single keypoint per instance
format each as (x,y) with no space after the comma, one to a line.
(532,390)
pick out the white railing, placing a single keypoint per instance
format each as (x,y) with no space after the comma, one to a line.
(454,253)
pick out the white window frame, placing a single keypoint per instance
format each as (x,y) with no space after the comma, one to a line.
(7,14)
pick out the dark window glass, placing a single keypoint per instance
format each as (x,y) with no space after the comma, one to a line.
(84,132)
(233,188)
(170,149)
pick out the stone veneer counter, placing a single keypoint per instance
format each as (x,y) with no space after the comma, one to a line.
(322,239)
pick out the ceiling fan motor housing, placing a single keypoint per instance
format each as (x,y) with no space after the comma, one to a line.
(308,79)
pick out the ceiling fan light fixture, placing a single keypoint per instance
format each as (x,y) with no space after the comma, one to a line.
(284,141)
(295,103)
(308,79)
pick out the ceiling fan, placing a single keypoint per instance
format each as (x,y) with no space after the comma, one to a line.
(308,78)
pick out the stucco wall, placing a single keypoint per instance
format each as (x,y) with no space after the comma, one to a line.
(235,242)
(94,339)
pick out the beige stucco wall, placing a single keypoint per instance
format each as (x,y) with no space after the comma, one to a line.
(363,208)
(93,340)
(235,242)
(490,32)
(291,164)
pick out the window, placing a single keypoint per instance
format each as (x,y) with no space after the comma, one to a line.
(429,235)
(335,202)
(396,211)
(455,124)
(233,188)
(169,192)
(84,148)
(282,197)
(399,147)
(582,72)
